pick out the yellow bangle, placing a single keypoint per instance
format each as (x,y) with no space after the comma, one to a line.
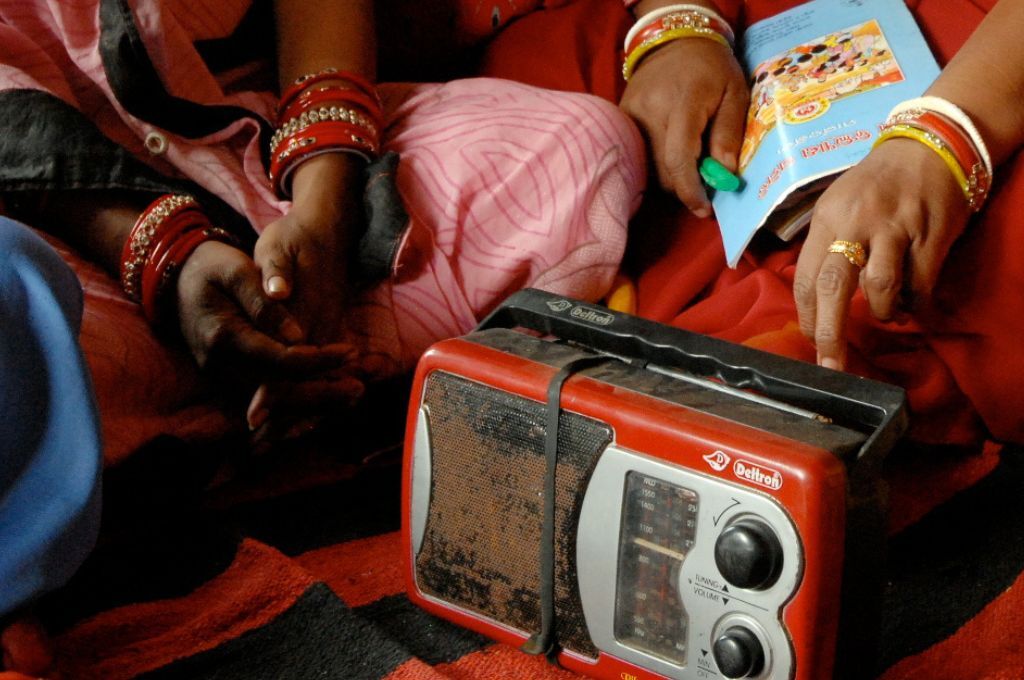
(936,144)
(659,39)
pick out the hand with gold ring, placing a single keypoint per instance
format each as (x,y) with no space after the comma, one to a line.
(886,226)
(852,250)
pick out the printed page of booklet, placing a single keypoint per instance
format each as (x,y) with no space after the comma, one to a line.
(824,75)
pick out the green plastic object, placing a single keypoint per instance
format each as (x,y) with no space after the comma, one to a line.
(717,176)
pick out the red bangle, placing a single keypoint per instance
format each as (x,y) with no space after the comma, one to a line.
(173,230)
(963,149)
(961,145)
(316,139)
(680,19)
(329,108)
(372,101)
(326,105)
(937,124)
(154,279)
(303,82)
(173,227)
(649,32)
(170,231)
(348,135)
(142,237)
(333,95)
(343,118)
(150,274)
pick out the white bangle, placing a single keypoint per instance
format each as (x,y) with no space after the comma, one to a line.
(660,12)
(954,113)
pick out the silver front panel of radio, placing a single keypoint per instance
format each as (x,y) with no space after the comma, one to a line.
(421,462)
(652,593)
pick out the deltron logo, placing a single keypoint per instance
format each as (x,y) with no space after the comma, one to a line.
(559,305)
(758,474)
(591,315)
(717,460)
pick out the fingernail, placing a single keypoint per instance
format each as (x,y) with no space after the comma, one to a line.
(703,212)
(257,418)
(834,364)
(291,331)
(256,414)
(276,285)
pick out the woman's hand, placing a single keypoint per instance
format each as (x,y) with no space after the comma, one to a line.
(303,259)
(233,328)
(904,206)
(683,92)
(304,256)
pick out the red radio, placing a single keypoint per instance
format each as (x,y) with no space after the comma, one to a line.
(637,501)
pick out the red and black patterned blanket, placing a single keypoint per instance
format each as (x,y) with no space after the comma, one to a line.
(293,570)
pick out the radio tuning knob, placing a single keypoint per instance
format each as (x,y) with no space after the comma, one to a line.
(748,554)
(738,653)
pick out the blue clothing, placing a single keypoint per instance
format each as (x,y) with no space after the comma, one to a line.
(50,455)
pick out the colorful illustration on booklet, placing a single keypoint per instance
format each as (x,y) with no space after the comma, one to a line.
(800,85)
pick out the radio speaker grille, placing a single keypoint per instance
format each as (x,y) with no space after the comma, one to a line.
(481,547)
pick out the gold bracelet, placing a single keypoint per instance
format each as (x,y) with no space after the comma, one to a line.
(659,39)
(936,144)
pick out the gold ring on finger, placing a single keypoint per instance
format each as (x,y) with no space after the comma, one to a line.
(851,250)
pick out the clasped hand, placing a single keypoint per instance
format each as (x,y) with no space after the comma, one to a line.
(276,319)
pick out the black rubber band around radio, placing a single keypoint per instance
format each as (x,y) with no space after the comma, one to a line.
(545,641)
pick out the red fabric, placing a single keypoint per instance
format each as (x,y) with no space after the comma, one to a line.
(481,665)
(25,646)
(960,363)
(988,647)
(126,641)
(359,572)
(548,49)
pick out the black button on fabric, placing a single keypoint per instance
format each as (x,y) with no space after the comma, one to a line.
(748,554)
(738,653)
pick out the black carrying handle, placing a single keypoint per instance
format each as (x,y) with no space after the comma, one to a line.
(874,406)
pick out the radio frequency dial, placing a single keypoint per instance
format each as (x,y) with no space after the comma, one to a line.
(748,554)
(738,653)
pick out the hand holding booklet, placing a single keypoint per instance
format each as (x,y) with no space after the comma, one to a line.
(824,76)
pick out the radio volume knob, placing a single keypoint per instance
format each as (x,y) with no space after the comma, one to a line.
(748,554)
(738,653)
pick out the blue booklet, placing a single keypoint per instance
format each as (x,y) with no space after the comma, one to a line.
(824,75)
